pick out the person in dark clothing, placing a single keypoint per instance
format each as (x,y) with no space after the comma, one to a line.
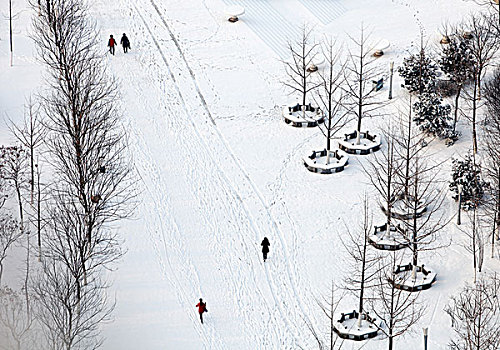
(265,247)
(111,44)
(202,307)
(125,43)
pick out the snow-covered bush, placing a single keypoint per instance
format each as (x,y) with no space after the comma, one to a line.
(467,174)
(419,73)
(433,116)
(456,60)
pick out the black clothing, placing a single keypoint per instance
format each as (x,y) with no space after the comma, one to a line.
(265,247)
(125,43)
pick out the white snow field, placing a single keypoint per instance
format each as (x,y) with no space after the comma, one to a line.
(218,170)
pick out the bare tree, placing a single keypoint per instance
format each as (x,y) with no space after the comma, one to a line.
(30,135)
(476,239)
(330,93)
(303,53)
(15,319)
(399,310)
(70,321)
(84,139)
(492,161)
(363,267)
(419,179)
(475,315)
(360,72)
(328,306)
(383,174)
(9,234)
(484,44)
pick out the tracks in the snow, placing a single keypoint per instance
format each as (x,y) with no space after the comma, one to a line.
(216,175)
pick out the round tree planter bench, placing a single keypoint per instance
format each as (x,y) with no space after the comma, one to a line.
(347,327)
(402,208)
(367,143)
(424,278)
(384,239)
(303,116)
(316,162)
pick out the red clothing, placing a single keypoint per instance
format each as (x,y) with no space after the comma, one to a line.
(111,42)
(201,307)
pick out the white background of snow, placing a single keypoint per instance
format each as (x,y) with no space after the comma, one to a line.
(211,192)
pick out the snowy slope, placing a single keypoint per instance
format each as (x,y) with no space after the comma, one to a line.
(218,170)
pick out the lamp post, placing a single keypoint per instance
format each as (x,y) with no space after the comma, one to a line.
(460,189)
(426,332)
(390,82)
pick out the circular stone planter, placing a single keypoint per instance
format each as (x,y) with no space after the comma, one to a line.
(317,161)
(380,48)
(384,239)
(233,12)
(445,40)
(401,208)
(347,327)
(367,143)
(303,116)
(404,280)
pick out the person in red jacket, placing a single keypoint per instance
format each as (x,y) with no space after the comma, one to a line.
(202,307)
(111,44)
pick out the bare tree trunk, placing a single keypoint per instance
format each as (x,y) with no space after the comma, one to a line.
(457,98)
(10,33)
(474,111)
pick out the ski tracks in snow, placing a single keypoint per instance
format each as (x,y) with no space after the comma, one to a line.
(232,211)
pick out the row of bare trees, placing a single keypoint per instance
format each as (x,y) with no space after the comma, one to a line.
(343,88)
(73,132)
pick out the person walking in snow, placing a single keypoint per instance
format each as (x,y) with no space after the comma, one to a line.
(265,247)
(111,44)
(125,43)
(202,307)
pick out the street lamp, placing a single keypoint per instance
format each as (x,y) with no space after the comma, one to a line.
(390,83)
(460,189)
(426,332)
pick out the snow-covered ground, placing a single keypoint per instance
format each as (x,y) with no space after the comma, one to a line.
(218,170)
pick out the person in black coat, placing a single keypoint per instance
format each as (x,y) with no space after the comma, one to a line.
(265,247)
(125,43)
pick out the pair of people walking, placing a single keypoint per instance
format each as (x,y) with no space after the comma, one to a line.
(124,42)
(202,306)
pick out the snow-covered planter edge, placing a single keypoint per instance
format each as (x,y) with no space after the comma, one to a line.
(379,241)
(293,115)
(339,159)
(404,215)
(359,334)
(348,144)
(424,278)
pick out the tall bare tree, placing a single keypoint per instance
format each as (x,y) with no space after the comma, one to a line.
(484,44)
(70,321)
(330,93)
(360,73)
(303,53)
(475,315)
(30,135)
(363,265)
(328,306)
(383,173)
(492,160)
(84,139)
(398,309)
(418,177)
